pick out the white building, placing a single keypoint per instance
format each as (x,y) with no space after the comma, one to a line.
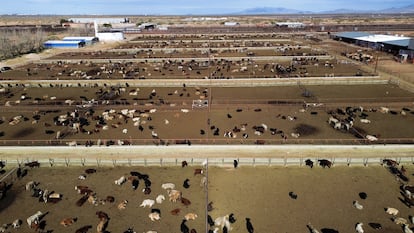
(231,24)
(108,36)
(291,24)
(99,20)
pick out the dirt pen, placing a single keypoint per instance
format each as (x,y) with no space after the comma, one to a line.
(257,189)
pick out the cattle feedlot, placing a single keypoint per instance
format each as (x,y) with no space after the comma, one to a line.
(215,132)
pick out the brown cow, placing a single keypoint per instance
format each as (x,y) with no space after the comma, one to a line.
(82,200)
(198,171)
(68,221)
(83,229)
(102,215)
(110,199)
(175,211)
(185,201)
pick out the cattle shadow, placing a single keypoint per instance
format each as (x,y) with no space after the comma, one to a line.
(407,202)
(395,171)
(329,230)
(7,196)
(375,226)
(23,132)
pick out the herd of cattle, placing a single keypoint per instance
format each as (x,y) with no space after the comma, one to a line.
(175,195)
(37,221)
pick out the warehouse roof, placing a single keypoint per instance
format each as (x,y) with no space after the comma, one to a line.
(80,38)
(382,38)
(352,35)
(63,42)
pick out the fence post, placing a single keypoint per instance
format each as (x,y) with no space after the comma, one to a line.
(83,161)
(161,162)
(67,161)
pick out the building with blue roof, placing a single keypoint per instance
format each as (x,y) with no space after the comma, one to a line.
(50,44)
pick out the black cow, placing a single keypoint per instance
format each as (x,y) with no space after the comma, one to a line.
(231,218)
(184,228)
(325,163)
(135,184)
(210,220)
(309,163)
(249,226)
(293,195)
(186,183)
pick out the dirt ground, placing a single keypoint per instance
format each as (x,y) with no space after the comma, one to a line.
(324,198)
(227,112)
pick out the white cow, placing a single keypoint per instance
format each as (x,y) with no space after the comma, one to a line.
(17,223)
(121,180)
(168,186)
(365,121)
(34,218)
(407,229)
(72,143)
(221,221)
(371,138)
(358,227)
(160,198)
(391,211)
(357,205)
(147,202)
(400,221)
(154,216)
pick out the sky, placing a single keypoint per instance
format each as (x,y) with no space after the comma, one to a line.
(183,7)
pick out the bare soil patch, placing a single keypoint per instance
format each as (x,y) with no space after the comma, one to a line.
(324,198)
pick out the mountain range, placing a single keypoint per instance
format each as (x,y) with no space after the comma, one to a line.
(280,10)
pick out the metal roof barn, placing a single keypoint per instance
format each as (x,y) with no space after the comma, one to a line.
(100,20)
(87,39)
(63,44)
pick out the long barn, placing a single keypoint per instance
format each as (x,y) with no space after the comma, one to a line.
(63,44)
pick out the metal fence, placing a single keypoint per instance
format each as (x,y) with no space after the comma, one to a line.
(106,142)
(217,162)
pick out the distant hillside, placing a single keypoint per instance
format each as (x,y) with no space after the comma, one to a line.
(271,10)
(280,10)
(405,9)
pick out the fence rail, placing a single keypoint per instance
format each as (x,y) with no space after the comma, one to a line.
(122,142)
(219,162)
